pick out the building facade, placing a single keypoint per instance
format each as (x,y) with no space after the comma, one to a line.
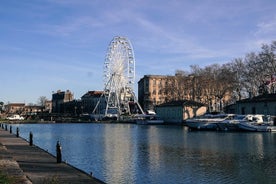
(151,90)
(154,90)
(15,108)
(179,111)
(48,106)
(91,99)
(58,100)
(33,109)
(263,104)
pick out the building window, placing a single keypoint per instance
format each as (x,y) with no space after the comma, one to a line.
(154,82)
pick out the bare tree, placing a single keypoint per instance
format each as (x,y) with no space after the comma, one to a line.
(1,106)
(41,101)
(238,67)
(219,85)
(268,59)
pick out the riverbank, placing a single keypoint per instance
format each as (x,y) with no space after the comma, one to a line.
(27,164)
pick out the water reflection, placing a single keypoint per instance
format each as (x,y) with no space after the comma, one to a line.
(117,153)
(161,154)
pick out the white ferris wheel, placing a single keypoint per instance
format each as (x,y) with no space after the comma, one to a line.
(119,77)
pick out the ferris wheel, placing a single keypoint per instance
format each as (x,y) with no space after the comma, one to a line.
(119,77)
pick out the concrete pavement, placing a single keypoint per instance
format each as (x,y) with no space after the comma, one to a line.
(34,165)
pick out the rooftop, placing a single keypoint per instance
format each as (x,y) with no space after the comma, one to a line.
(260,98)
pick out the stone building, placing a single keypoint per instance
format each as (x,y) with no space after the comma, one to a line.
(151,90)
(59,98)
(73,108)
(33,109)
(263,104)
(15,108)
(48,106)
(90,100)
(179,111)
(64,102)
(154,90)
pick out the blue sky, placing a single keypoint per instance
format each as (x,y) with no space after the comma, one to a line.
(47,45)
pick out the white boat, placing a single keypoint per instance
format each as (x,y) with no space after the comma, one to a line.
(231,123)
(206,122)
(15,117)
(258,123)
(149,119)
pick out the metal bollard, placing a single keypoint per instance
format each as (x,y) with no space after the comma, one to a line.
(17,132)
(31,138)
(10,129)
(58,150)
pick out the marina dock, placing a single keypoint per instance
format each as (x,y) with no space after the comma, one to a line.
(30,164)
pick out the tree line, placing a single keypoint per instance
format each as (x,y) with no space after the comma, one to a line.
(219,85)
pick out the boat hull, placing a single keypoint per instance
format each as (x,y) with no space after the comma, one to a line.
(201,125)
(206,122)
(149,122)
(245,126)
(228,126)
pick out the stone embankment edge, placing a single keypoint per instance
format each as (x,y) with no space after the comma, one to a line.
(20,171)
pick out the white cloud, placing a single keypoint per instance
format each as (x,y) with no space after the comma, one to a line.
(74,25)
(267,27)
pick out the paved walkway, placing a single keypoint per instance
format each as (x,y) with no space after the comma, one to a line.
(33,165)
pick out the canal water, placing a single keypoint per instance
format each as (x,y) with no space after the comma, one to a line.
(129,153)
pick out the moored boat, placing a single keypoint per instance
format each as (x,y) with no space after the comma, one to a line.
(148,119)
(231,123)
(206,122)
(248,126)
(258,123)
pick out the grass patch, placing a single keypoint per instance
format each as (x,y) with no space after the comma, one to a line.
(53,180)
(5,179)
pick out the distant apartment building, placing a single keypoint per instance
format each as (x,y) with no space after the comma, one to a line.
(22,109)
(33,109)
(58,100)
(154,90)
(151,90)
(15,108)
